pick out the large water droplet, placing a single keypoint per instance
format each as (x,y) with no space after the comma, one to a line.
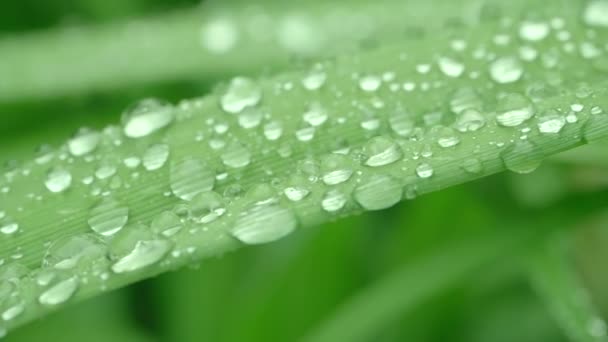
(108,217)
(370,83)
(190,177)
(446,137)
(596,13)
(84,142)
(469,121)
(144,254)
(315,115)
(378,192)
(513,110)
(60,292)
(506,70)
(382,151)
(273,130)
(522,157)
(264,223)
(242,93)
(551,123)
(236,156)
(147,117)
(156,156)
(58,180)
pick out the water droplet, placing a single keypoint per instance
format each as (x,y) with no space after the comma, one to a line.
(593,130)
(465,99)
(513,110)
(207,207)
(60,292)
(551,123)
(70,252)
(402,124)
(381,151)
(506,70)
(315,115)
(534,31)
(58,180)
(305,134)
(84,142)
(296,193)
(447,137)
(378,192)
(264,223)
(472,165)
(250,118)
(147,117)
(219,35)
(108,217)
(273,130)
(336,169)
(370,83)
(189,177)
(166,224)
(596,13)
(236,156)
(522,157)
(334,200)
(469,121)
(13,311)
(156,156)
(105,171)
(424,170)
(7,225)
(314,80)
(242,93)
(451,67)
(136,248)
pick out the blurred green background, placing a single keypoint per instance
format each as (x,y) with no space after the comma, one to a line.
(287,290)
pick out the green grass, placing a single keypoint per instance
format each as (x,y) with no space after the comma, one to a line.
(360,122)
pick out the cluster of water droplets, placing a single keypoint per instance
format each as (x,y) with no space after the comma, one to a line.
(250,164)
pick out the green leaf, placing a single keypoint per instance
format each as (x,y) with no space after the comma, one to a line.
(258,159)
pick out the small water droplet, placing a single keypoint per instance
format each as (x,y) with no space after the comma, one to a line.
(273,130)
(166,223)
(472,165)
(315,115)
(296,193)
(156,156)
(136,248)
(370,83)
(378,192)
(219,35)
(506,70)
(470,120)
(424,170)
(402,123)
(70,252)
(264,223)
(58,180)
(242,93)
(314,80)
(447,137)
(189,177)
(147,117)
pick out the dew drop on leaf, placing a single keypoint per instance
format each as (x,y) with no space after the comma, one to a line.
(522,157)
(155,157)
(506,70)
(378,192)
(424,170)
(58,180)
(334,200)
(189,177)
(263,223)
(84,142)
(381,151)
(242,93)
(60,292)
(147,117)
(108,217)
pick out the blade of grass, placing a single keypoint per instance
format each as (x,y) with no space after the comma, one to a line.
(566,298)
(353,114)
